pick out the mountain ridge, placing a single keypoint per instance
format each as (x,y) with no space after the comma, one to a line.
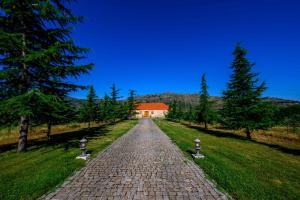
(192,98)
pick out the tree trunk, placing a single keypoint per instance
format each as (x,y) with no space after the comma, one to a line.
(248,133)
(22,145)
(205,125)
(23,134)
(49,125)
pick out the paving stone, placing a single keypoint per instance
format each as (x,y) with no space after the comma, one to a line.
(142,164)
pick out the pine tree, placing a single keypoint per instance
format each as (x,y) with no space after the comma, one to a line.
(114,95)
(105,109)
(179,112)
(243,108)
(123,110)
(173,112)
(59,110)
(115,105)
(49,105)
(90,108)
(205,112)
(131,105)
(189,115)
(37,52)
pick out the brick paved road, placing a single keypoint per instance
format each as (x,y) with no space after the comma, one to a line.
(143,164)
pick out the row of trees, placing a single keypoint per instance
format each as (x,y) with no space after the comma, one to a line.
(243,106)
(108,109)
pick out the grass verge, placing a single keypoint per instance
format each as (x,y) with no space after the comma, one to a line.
(46,164)
(277,135)
(244,169)
(10,135)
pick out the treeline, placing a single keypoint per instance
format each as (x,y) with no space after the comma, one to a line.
(52,110)
(243,106)
(108,109)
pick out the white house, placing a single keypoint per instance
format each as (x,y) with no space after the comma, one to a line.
(151,110)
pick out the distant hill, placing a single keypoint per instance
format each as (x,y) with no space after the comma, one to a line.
(193,99)
(74,101)
(187,99)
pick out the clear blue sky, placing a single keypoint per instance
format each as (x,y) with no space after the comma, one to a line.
(156,46)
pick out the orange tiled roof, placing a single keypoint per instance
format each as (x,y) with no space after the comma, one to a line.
(152,106)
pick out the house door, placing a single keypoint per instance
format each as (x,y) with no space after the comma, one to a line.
(146,114)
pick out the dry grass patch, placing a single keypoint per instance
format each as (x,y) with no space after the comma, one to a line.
(277,135)
(11,135)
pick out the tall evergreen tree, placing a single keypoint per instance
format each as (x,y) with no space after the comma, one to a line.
(205,112)
(37,52)
(189,114)
(243,108)
(105,109)
(58,111)
(174,111)
(131,104)
(114,95)
(90,108)
(179,113)
(115,105)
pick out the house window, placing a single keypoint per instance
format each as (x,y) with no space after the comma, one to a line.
(152,112)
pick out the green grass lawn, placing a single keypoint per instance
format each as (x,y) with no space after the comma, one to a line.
(47,164)
(243,168)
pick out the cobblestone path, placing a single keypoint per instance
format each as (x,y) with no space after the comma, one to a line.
(142,164)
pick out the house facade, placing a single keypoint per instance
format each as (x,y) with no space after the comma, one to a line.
(151,110)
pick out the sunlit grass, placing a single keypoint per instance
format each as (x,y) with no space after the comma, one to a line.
(46,164)
(10,135)
(244,169)
(277,135)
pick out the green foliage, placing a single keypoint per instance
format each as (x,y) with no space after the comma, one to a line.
(115,108)
(243,107)
(205,112)
(33,103)
(190,115)
(114,95)
(36,48)
(105,108)
(36,52)
(175,112)
(89,109)
(289,117)
(131,104)
(112,109)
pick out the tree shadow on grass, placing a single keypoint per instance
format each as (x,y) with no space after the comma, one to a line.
(227,134)
(66,140)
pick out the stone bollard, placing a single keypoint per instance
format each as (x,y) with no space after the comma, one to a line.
(197,148)
(83,147)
